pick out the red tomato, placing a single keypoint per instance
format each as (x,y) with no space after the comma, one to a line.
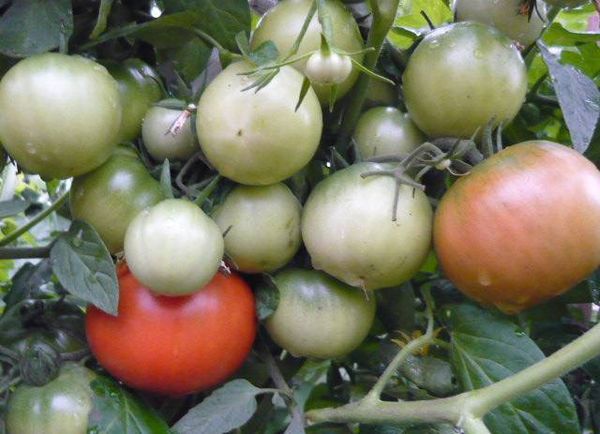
(522,227)
(175,345)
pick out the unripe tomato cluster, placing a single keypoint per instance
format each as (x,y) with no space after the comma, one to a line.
(185,324)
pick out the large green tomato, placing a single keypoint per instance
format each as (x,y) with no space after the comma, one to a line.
(60,114)
(264,227)
(109,197)
(139,88)
(506,16)
(318,316)
(60,407)
(349,233)
(258,138)
(385,131)
(160,143)
(282,25)
(462,76)
(173,248)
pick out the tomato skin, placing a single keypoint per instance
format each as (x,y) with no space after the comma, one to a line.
(139,88)
(385,131)
(60,407)
(319,316)
(60,114)
(506,16)
(173,248)
(161,144)
(502,232)
(348,230)
(258,138)
(175,345)
(264,227)
(109,197)
(460,77)
(282,25)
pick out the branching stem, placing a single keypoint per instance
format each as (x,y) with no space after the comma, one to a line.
(34,221)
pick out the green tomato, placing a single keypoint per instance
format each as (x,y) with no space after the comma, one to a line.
(385,131)
(109,197)
(328,69)
(173,248)
(380,93)
(264,224)
(139,88)
(258,138)
(318,316)
(60,114)
(161,144)
(60,407)
(283,23)
(348,230)
(462,76)
(506,16)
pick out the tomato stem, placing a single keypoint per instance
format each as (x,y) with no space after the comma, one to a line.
(411,348)
(34,221)
(384,13)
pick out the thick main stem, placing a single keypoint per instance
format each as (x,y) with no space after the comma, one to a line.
(468,408)
(384,13)
(582,349)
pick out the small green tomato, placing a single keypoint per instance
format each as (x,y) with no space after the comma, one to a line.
(319,316)
(264,227)
(173,248)
(385,131)
(160,142)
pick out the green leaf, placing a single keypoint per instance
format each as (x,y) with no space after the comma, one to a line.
(579,99)
(265,53)
(221,19)
(13,207)
(227,408)
(488,347)
(189,58)
(35,26)
(303,91)
(267,297)
(28,282)
(85,268)
(410,24)
(115,411)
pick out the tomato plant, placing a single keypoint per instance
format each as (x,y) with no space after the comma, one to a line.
(318,316)
(348,230)
(245,141)
(175,345)
(139,88)
(173,247)
(283,23)
(317,148)
(462,77)
(385,131)
(511,18)
(262,226)
(110,196)
(78,133)
(492,239)
(160,141)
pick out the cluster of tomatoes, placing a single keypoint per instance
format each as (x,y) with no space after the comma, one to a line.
(185,325)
